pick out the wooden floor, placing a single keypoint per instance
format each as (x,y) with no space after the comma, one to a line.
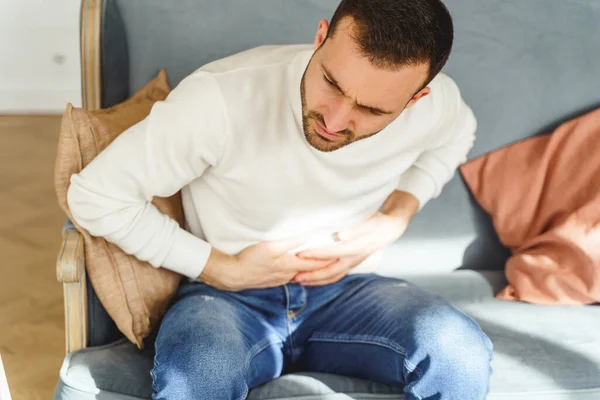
(31,310)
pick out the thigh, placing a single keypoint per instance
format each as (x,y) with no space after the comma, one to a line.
(394,332)
(211,345)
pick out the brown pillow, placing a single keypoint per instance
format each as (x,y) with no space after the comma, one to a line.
(543,195)
(135,294)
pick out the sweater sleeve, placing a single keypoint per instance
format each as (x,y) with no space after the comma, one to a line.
(435,166)
(111,197)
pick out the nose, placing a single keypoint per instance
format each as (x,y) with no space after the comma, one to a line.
(338,117)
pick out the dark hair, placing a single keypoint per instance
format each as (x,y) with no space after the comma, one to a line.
(394,33)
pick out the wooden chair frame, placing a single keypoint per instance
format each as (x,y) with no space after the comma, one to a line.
(70,266)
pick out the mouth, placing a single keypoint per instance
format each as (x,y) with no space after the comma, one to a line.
(324,133)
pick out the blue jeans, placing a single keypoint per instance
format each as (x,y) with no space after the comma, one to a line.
(218,345)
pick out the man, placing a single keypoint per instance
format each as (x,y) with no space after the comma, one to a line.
(297,164)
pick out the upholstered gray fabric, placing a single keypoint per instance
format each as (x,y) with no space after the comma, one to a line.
(540,353)
(182,35)
(114,54)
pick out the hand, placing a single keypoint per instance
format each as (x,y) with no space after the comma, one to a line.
(329,274)
(263,265)
(354,246)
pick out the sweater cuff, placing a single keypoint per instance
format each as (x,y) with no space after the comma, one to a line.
(188,254)
(418,183)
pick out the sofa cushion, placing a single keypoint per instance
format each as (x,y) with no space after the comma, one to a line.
(134,294)
(120,371)
(541,352)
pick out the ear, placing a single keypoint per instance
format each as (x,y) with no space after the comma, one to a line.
(321,33)
(420,94)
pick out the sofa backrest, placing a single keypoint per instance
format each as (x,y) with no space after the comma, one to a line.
(523,67)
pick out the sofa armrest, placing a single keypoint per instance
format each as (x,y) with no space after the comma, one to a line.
(70,270)
(70,267)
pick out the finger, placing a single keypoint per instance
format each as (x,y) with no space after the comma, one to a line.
(341,250)
(329,281)
(324,274)
(342,266)
(302,264)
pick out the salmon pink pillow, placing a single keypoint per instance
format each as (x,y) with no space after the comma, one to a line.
(543,195)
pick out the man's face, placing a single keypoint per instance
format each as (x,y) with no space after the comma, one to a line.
(345,98)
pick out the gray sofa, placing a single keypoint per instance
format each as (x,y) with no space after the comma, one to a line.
(522,65)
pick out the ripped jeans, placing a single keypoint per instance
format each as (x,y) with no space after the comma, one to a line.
(218,345)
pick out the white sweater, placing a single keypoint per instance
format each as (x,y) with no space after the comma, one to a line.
(230,136)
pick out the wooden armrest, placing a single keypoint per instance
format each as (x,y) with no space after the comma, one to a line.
(70,270)
(70,265)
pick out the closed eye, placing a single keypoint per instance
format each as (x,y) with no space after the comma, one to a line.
(333,85)
(373,111)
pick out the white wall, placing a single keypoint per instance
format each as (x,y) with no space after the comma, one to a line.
(39,55)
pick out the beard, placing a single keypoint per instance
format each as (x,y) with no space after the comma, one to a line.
(312,136)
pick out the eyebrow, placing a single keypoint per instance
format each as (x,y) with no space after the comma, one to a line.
(330,77)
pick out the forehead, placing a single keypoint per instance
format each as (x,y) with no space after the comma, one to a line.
(353,71)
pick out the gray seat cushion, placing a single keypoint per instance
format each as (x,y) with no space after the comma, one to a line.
(550,353)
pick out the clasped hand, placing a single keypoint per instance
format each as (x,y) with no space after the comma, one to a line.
(269,264)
